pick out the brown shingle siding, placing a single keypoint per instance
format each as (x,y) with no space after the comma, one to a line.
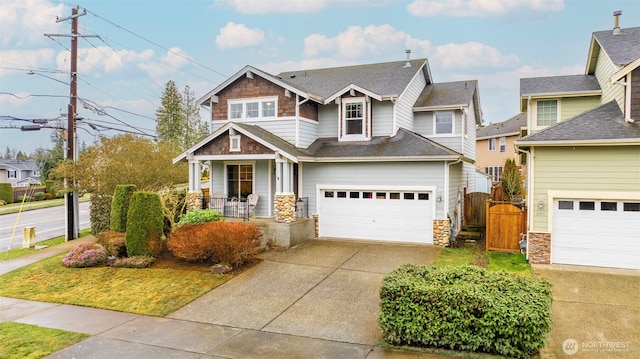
(220,146)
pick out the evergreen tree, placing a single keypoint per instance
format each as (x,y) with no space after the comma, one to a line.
(170,119)
(46,159)
(196,129)
(511,181)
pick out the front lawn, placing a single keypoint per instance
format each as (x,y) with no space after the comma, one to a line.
(32,342)
(155,291)
(493,261)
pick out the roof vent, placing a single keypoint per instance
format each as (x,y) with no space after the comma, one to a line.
(408,64)
(616,29)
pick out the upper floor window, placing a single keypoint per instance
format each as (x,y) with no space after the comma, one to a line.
(234,143)
(253,108)
(503,144)
(547,112)
(354,118)
(492,144)
(12,174)
(444,122)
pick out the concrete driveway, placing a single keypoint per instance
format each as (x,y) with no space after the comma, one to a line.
(322,289)
(596,312)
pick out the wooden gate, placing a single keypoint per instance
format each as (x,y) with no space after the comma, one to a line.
(505,223)
(475,214)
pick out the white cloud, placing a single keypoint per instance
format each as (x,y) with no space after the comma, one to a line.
(24,22)
(254,7)
(169,63)
(25,59)
(471,54)
(479,8)
(357,42)
(238,35)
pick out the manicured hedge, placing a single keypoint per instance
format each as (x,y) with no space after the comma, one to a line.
(120,206)
(465,308)
(200,216)
(99,213)
(145,222)
(6,192)
(50,187)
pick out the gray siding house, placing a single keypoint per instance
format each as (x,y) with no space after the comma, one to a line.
(377,151)
(19,173)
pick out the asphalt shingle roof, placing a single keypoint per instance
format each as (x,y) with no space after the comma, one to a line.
(511,125)
(622,49)
(385,79)
(403,144)
(605,122)
(558,84)
(446,94)
(272,139)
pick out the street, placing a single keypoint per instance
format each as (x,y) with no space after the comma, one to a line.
(48,223)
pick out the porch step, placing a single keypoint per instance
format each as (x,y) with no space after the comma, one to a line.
(474,236)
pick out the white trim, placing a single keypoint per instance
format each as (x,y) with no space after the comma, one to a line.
(453,124)
(247,100)
(234,157)
(366,119)
(349,88)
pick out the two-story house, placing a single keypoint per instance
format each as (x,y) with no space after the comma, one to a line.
(379,151)
(20,173)
(495,143)
(584,158)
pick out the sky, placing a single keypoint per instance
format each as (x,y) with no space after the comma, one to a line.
(137,46)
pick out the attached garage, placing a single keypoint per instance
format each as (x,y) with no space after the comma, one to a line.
(602,233)
(400,215)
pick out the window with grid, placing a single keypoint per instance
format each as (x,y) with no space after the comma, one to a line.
(239,180)
(354,118)
(503,144)
(547,112)
(495,172)
(12,174)
(444,122)
(492,144)
(268,108)
(235,110)
(253,108)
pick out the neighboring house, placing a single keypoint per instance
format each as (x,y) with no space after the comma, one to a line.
(584,158)
(19,173)
(379,151)
(495,143)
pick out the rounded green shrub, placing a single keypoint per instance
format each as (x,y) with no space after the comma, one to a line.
(6,192)
(145,221)
(120,206)
(50,187)
(25,199)
(40,196)
(200,216)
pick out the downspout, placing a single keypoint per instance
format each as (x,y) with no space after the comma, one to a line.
(529,194)
(445,195)
(394,124)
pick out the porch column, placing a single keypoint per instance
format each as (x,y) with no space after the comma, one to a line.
(284,201)
(286,177)
(194,176)
(279,175)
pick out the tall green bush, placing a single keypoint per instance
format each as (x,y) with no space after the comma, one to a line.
(50,187)
(145,222)
(120,206)
(511,180)
(6,192)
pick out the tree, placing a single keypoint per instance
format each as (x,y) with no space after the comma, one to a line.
(511,181)
(171,122)
(46,159)
(196,129)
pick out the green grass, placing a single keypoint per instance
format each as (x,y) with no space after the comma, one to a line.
(16,207)
(32,342)
(148,291)
(18,252)
(454,256)
(509,262)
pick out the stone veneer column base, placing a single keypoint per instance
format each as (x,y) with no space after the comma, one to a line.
(441,232)
(193,201)
(539,248)
(284,208)
(315,219)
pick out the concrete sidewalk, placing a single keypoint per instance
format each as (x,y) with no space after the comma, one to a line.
(316,300)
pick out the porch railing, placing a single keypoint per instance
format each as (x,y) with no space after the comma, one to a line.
(229,207)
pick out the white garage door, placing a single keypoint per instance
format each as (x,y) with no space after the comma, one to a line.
(596,233)
(403,216)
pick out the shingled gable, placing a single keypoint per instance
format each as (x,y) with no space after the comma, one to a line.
(603,124)
(259,141)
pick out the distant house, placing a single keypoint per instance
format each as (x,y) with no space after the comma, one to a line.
(19,173)
(584,158)
(379,151)
(495,143)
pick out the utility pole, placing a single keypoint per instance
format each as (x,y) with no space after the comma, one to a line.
(71,197)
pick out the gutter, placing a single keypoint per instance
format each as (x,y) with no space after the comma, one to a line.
(600,142)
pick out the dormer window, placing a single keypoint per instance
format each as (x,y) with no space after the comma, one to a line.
(265,107)
(354,119)
(234,143)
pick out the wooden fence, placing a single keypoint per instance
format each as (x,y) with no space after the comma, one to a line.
(475,209)
(505,223)
(30,190)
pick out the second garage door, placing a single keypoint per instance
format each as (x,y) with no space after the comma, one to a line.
(602,233)
(387,215)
